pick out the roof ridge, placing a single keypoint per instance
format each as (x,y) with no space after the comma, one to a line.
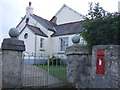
(33,26)
(40,17)
(69,23)
(44,19)
(73,10)
(64,5)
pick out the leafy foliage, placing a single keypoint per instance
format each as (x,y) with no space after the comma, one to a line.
(54,61)
(101,27)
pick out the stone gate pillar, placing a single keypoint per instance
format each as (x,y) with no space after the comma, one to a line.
(78,65)
(12,49)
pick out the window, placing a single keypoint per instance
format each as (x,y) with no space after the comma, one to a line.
(27,20)
(63,44)
(25,35)
(41,42)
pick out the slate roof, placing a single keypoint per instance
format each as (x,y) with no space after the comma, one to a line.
(36,30)
(47,24)
(59,30)
(67,29)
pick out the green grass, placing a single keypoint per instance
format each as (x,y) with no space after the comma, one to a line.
(58,71)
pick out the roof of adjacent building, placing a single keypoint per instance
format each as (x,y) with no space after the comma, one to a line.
(62,9)
(67,29)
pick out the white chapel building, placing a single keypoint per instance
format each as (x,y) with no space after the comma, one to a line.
(46,37)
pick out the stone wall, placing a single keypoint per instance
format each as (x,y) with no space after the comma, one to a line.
(78,66)
(81,67)
(12,49)
(111,77)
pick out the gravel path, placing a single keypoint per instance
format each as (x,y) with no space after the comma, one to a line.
(34,76)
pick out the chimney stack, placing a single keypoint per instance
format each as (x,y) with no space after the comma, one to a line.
(30,3)
(29,10)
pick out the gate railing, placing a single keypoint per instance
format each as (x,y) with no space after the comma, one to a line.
(43,70)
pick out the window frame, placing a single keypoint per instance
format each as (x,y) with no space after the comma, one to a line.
(41,43)
(64,43)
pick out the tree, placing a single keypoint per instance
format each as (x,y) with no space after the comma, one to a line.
(101,27)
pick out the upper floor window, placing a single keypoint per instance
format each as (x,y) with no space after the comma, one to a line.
(25,35)
(63,44)
(27,20)
(41,42)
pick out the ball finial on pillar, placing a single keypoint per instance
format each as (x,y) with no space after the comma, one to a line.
(13,33)
(76,39)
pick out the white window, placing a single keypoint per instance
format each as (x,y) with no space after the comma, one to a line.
(41,42)
(63,44)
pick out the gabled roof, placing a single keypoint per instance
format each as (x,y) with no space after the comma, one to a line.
(47,24)
(35,30)
(68,29)
(62,9)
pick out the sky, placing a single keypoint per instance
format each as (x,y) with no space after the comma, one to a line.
(11,11)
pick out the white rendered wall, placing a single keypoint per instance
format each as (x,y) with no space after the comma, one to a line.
(51,45)
(33,40)
(66,15)
(29,42)
(55,42)
(41,50)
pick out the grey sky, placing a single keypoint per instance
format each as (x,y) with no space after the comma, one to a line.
(11,11)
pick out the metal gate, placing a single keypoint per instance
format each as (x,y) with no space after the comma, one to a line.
(43,71)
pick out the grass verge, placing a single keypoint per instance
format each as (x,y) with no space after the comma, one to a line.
(58,71)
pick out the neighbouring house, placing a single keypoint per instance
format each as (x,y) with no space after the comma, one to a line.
(52,37)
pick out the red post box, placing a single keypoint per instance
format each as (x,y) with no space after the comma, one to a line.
(100,62)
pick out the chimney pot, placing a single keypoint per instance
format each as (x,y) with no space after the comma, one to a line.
(30,3)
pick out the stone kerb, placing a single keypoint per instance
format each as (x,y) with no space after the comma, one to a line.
(78,65)
(12,49)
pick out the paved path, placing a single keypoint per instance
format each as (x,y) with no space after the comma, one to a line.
(34,76)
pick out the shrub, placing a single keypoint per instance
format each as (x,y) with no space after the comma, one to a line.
(54,61)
